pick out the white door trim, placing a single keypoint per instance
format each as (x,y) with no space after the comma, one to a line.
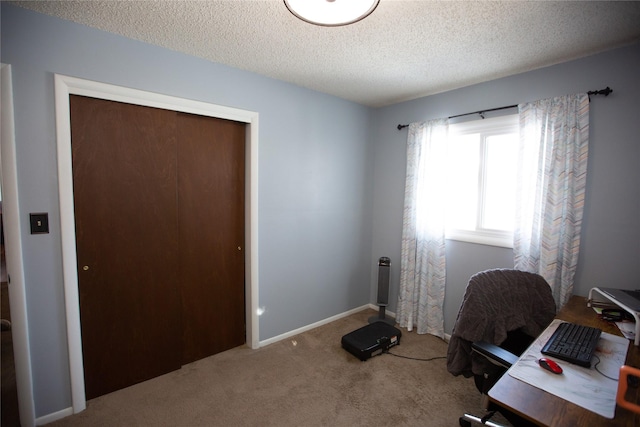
(65,86)
(13,251)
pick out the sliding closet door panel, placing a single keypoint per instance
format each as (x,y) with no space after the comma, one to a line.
(124,177)
(211,159)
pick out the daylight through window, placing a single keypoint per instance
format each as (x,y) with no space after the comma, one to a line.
(482,166)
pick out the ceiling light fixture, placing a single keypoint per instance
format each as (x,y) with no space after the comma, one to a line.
(331,13)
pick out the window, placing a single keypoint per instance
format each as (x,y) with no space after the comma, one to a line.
(482,165)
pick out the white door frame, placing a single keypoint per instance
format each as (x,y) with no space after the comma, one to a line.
(65,86)
(13,252)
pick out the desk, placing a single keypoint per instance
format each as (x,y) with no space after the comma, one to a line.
(548,410)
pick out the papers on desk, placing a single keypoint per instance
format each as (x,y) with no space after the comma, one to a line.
(626,327)
(591,388)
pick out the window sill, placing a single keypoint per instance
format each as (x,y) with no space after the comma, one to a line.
(503,240)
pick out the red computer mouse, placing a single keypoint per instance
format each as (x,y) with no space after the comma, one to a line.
(550,365)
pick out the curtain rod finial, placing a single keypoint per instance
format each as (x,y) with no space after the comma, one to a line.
(606,91)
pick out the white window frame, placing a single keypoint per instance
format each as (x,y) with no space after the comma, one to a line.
(486,127)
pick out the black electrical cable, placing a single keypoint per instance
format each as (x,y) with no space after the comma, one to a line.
(600,372)
(415,358)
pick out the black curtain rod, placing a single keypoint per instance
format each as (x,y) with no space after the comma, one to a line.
(604,92)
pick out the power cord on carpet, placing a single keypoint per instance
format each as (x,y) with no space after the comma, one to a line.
(386,343)
(415,358)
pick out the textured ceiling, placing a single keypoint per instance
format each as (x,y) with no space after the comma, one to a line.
(404,50)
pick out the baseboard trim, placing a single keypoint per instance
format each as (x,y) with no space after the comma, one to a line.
(387,313)
(55,416)
(447,337)
(314,325)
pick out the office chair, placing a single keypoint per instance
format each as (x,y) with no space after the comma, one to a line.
(502,312)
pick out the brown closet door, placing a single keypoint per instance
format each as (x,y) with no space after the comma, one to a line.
(124,178)
(211,159)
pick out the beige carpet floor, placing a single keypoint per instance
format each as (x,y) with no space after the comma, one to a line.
(306,380)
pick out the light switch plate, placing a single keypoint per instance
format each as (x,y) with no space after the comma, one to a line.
(39,223)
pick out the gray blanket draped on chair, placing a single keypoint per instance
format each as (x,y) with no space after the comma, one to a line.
(496,302)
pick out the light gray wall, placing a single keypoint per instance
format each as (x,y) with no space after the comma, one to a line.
(610,246)
(315,178)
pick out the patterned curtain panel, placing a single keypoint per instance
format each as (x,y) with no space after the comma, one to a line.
(422,265)
(554,137)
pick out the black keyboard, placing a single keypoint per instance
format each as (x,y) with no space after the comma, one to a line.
(573,343)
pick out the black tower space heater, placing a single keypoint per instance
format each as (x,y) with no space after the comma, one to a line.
(384,265)
(380,334)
